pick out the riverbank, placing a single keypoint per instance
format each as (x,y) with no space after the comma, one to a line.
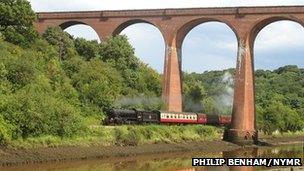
(23,156)
(284,140)
(9,156)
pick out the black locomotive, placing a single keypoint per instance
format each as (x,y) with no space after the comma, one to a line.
(133,116)
(122,116)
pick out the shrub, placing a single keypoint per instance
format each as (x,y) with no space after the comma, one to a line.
(5,131)
(127,136)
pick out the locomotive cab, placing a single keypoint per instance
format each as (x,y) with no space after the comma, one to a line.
(121,116)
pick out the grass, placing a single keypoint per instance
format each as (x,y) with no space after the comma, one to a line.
(288,134)
(132,135)
(278,134)
(125,135)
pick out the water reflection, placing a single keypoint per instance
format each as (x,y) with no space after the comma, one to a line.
(167,162)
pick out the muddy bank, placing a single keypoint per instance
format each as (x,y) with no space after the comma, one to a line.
(25,156)
(275,141)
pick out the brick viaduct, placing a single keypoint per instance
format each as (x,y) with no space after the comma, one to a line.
(174,24)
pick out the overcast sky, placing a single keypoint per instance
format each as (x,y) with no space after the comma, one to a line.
(209,46)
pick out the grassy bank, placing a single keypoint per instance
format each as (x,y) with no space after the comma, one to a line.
(133,135)
(278,134)
(126,135)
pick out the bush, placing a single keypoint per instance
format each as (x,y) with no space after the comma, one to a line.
(97,83)
(126,136)
(34,113)
(5,131)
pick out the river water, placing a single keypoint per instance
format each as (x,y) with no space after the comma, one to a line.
(170,161)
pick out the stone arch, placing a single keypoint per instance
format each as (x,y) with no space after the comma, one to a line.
(185,30)
(68,24)
(259,25)
(128,23)
(187,27)
(148,26)
(255,30)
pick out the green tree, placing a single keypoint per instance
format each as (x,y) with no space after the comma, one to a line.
(62,41)
(280,117)
(87,49)
(149,81)
(35,113)
(120,54)
(98,84)
(194,93)
(37,98)
(16,22)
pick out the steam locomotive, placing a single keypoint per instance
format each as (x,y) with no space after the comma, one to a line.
(133,116)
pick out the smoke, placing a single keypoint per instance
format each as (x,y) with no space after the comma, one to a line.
(140,102)
(225,99)
(191,105)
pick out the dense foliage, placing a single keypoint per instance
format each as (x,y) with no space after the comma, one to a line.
(51,90)
(16,22)
(279,96)
(55,85)
(280,99)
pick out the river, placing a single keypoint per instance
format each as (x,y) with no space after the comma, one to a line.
(169,161)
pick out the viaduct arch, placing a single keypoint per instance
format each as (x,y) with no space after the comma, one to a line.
(174,24)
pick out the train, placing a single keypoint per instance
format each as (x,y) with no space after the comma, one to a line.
(133,116)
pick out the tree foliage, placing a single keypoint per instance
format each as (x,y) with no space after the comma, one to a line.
(97,83)
(58,84)
(120,54)
(87,49)
(61,40)
(16,22)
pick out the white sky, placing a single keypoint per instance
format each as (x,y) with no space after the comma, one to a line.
(210,46)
